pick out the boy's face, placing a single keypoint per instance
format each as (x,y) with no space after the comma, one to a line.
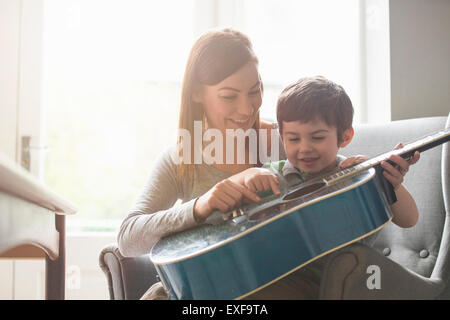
(312,146)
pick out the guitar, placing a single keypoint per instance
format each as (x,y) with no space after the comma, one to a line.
(235,254)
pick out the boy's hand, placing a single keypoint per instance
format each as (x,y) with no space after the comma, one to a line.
(352,161)
(395,173)
(260,179)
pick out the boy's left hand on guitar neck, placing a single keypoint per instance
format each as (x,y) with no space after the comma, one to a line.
(404,210)
(394,172)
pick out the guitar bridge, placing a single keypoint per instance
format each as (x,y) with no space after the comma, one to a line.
(237,213)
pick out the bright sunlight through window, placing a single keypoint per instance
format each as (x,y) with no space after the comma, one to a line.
(112,82)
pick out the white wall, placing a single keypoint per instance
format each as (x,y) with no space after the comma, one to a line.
(25,279)
(375,61)
(9,49)
(21,42)
(84,278)
(420,58)
(20,111)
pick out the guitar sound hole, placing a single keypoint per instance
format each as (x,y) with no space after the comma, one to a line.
(304,191)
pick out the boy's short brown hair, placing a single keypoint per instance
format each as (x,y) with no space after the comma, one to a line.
(315,98)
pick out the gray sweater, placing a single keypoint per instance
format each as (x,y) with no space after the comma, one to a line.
(155,215)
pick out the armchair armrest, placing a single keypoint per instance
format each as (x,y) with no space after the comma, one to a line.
(128,277)
(347,276)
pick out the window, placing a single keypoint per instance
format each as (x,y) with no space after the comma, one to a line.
(295,38)
(112,82)
(111,69)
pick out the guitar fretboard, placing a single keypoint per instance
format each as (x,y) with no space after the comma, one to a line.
(406,151)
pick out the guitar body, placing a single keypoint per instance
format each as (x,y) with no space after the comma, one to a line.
(234,258)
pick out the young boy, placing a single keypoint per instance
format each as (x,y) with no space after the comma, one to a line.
(315,120)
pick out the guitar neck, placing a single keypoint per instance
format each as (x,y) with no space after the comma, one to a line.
(405,152)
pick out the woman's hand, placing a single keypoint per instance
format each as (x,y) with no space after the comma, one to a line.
(224,196)
(395,173)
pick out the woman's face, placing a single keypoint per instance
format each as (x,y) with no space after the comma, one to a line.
(234,102)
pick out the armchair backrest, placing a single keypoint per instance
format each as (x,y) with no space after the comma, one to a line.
(420,248)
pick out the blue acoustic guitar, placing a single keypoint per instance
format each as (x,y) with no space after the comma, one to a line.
(233,255)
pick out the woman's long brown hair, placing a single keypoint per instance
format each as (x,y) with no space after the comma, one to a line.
(214,56)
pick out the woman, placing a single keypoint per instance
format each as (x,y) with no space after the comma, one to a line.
(221,90)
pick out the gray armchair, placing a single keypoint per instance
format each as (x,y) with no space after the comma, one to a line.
(413,263)
(410,263)
(128,277)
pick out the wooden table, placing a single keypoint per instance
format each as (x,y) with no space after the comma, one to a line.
(32,224)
